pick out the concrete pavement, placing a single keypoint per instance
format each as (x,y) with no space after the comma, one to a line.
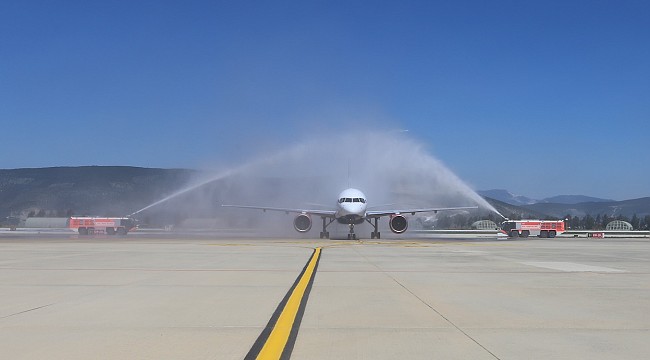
(148,298)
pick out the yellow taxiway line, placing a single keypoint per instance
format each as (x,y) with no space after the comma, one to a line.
(277,339)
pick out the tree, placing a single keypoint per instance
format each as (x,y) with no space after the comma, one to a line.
(635,222)
(606,220)
(575,223)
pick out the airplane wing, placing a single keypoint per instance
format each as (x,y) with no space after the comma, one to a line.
(380,213)
(325,213)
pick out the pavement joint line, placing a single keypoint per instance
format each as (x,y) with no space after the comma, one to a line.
(431,307)
(279,336)
(26,311)
(446,319)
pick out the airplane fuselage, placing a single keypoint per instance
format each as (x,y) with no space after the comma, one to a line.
(351,207)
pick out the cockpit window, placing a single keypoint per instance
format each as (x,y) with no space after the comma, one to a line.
(349,200)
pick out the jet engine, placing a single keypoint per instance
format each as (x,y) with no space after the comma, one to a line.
(398,224)
(302,223)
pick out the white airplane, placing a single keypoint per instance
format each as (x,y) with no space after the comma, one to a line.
(352,210)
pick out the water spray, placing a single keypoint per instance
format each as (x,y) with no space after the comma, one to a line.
(220,176)
(188,189)
(389,167)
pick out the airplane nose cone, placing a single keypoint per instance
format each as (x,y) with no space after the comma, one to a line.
(353,208)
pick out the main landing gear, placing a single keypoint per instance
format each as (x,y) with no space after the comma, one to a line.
(374,222)
(325,234)
(375,234)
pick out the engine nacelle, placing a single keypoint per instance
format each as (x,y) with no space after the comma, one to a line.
(398,224)
(302,223)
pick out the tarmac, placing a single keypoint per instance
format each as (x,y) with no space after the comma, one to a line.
(184,297)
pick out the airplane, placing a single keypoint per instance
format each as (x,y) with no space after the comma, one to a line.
(351,209)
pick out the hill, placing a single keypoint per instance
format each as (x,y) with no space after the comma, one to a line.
(520,200)
(514,211)
(640,207)
(573,199)
(86,190)
(506,197)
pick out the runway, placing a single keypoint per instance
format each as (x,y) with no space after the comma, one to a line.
(143,297)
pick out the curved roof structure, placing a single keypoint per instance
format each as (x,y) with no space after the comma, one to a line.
(619,225)
(484,225)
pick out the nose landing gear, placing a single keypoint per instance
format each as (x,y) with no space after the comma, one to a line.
(352,235)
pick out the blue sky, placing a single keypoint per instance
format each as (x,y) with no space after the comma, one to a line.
(541,98)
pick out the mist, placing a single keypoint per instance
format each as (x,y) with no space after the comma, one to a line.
(394,171)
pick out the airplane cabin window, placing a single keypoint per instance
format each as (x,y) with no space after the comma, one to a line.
(363,200)
(355,200)
(348,199)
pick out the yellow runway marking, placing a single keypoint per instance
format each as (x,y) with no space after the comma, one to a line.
(277,339)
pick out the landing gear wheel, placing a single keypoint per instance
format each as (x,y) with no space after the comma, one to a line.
(351,234)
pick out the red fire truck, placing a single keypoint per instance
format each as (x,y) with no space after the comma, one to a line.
(525,228)
(101,225)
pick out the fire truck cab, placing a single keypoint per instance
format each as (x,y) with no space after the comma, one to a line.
(526,228)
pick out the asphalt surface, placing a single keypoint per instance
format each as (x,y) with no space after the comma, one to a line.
(189,297)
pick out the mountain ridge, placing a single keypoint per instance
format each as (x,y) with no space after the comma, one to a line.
(120,190)
(520,200)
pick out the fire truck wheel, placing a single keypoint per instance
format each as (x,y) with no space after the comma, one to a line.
(514,233)
(525,233)
(110,231)
(552,233)
(543,234)
(83,231)
(121,231)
